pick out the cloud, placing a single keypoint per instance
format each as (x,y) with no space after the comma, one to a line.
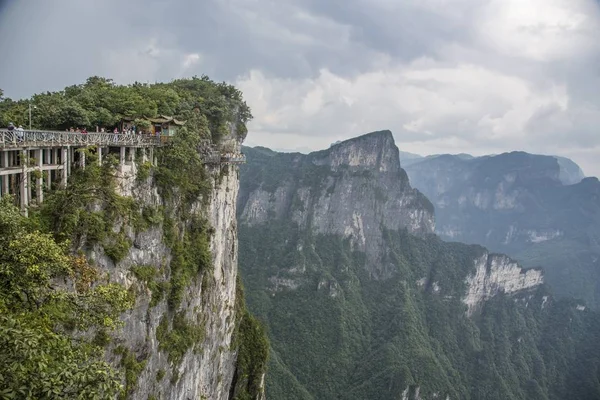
(474,76)
(190,59)
(540,30)
(419,101)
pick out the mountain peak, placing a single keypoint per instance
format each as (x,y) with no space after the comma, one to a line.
(373,151)
(570,172)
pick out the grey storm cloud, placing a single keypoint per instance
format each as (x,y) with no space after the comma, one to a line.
(478,76)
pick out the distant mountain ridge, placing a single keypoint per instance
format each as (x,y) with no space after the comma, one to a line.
(524,205)
(569,172)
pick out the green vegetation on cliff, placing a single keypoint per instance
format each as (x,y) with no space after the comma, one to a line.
(88,209)
(253,351)
(337,333)
(101,102)
(46,295)
(50,294)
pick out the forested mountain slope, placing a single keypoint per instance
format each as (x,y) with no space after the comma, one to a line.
(362,301)
(519,204)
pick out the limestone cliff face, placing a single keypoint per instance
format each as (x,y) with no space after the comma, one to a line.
(494,274)
(355,188)
(207,368)
(520,204)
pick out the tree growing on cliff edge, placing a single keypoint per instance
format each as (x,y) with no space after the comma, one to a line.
(101,102)
(48,300)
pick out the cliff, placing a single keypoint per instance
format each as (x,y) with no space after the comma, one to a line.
(356,188)
(207,367)
(166,231)
(133,257)
(496,274)
(534,208)
(440,320)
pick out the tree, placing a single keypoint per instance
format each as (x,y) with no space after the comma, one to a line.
(101,102)
(48,298)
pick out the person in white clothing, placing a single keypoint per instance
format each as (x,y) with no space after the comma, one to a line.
(20,133)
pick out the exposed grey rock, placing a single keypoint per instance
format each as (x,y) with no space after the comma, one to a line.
(497,273)
(570,173)
(355,188)
(207,371)
(534,208)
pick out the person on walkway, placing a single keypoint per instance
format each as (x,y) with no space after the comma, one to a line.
(20,133)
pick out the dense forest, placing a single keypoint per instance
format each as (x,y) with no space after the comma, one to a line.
(100,102)
(46,293)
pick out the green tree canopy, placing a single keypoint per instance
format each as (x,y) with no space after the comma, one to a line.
(48,298)
(101,102)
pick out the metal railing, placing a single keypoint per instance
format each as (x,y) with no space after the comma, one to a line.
(235,158)
(216,157)
(17,138)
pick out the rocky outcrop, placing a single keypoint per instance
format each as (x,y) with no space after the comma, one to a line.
(356,188)
(206,369)
(570,173)
(534,208)
(497,274)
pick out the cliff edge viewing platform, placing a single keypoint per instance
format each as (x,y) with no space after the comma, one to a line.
(32,161)
(33,139)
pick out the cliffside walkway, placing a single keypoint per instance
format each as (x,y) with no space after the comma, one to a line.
(20,139)
(217,157)
(47,157)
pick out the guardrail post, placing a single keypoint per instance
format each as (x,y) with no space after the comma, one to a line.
(38,184)
(68,160)
(5,178)
(24,183)
(65,156)
(49,152)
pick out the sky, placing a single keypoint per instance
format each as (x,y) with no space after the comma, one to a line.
(445,76)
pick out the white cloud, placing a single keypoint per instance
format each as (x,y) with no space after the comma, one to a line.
(190,60)
(512,85)
(464,100)
(541,30)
